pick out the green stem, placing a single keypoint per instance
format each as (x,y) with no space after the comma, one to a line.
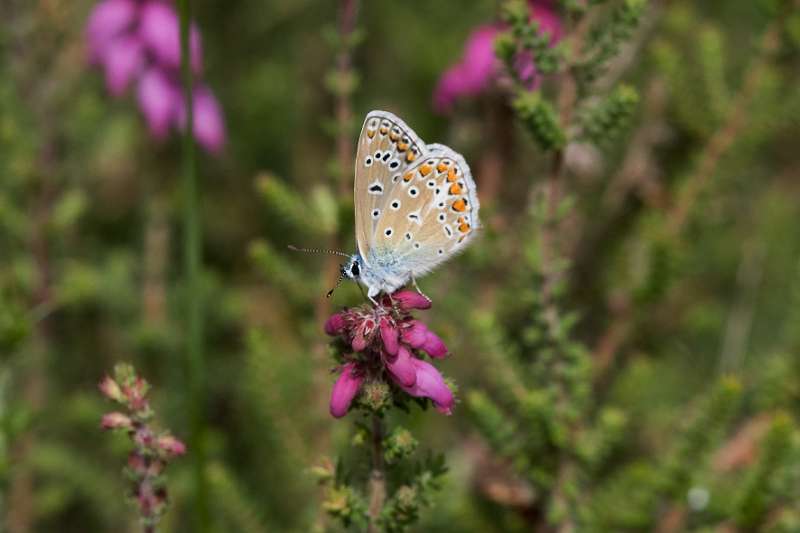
(194,311)
(377,479)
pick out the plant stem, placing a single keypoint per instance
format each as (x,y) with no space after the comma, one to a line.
(194,312)
(377,479)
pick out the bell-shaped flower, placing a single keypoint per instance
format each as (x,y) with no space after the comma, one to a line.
(430,384)
(345,389)
(160,31)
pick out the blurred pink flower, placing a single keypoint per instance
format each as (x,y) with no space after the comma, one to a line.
(479,68)
(160,31)
(383,340)
(138,41)
(107,20)
(158,99)
(123,59)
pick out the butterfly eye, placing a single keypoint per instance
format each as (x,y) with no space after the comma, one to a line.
(355,270)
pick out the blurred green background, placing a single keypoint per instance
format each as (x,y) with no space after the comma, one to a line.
(681,236)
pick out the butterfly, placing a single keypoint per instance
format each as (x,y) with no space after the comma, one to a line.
(416,206)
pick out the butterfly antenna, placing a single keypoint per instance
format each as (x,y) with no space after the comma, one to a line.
(338,282)
(317,251)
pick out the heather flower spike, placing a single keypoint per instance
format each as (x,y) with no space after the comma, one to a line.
(153,449)
(478,68)
(384,343)
(137,44)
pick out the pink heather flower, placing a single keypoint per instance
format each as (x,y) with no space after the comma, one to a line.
(345,389)
(160,31)
(479,68)
(111,389)
(383,340)
(402,368)
(407,300)
(116,420)
(107,20)
(123,59)
(171,446)
(158,99)
(390,336)
(137,42)
(209,127)
(335,324)
(430,384)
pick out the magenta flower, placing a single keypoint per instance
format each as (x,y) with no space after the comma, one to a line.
(384,343)
(478,68)
(138,42)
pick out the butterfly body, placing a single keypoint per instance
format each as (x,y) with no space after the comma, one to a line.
(416,205)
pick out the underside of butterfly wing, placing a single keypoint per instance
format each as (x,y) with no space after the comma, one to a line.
(416,205)
(386,148)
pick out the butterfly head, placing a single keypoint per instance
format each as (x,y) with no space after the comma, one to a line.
(352,268)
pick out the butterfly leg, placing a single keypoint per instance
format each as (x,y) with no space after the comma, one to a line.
(414,282)
(371,295)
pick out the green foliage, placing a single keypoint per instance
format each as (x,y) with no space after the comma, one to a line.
(760,491)
(605,39)
(605,121)
(540,119)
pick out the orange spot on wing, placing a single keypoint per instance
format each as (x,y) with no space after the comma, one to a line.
(384,129)
(408,177)
(394,136)
(463,228)
(451,174)
(425,170)
(441,167)
(370,133)
(411,156)
(455,188)
(460,205)
(402,147)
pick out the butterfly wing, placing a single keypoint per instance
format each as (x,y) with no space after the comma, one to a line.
(431,213)
(386,149)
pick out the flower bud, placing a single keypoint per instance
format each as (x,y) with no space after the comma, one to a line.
(116,420)
(170,445)
(408,300)
(111,389)
(335,324)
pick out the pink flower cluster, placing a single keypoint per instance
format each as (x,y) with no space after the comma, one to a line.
(152,449)
(479,68)
(137,42)
(385,343)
